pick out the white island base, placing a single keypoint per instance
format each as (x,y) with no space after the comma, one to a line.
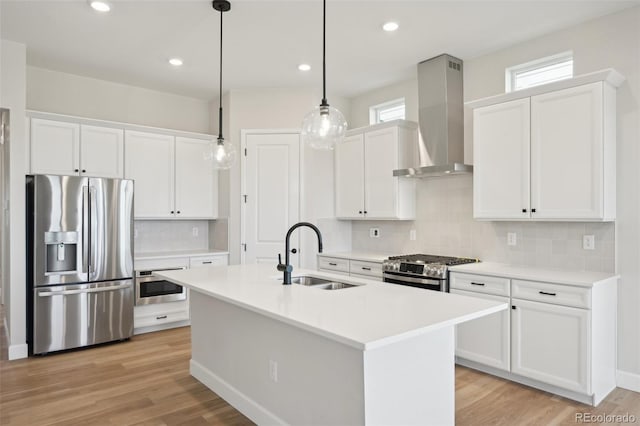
(275,373)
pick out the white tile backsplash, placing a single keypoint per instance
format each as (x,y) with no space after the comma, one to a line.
(170,235)
(444,225)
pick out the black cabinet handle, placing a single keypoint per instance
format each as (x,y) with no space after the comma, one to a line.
(207,262)
(533,210)
(524,210)
(333,264)
(513,307)
(84,171)
(480,284)
(161,317)
(547,294)
(365,212)
(360,212)
(171,211)
(178,212)
(76,170)
(366,269)
(294,251)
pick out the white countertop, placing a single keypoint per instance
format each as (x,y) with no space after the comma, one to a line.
(359,255)
(365,317)
(558,276)
(177,253)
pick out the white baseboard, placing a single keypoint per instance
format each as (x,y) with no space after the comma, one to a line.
(241,402)
(15,351)
(627,380)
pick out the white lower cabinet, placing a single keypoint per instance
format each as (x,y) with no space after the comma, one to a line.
(352,267)
(556,337)
(485,340)
(550,343)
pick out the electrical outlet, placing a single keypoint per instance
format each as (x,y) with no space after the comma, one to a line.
(194,231)
(512,239)
(374,232)
(412,235)
(273,371)
(588,242)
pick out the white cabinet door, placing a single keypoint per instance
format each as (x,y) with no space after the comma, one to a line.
(501,161)
(550,343)
(102,151)
(196,180)
(485,340)
(55,147)
(380,186)
(567,153)
(149,161)
(349,163)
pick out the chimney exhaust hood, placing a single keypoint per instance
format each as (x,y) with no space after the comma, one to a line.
(441,119)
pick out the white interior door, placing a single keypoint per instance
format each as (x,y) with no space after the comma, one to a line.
(272,195)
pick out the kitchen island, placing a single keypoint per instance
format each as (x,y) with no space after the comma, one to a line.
(375,353)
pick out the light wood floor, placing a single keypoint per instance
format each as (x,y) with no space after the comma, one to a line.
(146,381)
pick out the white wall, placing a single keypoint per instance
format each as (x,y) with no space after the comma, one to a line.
(610,41)
(12,96)
(360,105)
(63,93)
(278,109)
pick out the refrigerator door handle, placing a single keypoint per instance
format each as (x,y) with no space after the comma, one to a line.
(93,226)
(85,229)
(86,290)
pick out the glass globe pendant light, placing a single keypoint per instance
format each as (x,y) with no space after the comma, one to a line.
(324,126)
(223,153)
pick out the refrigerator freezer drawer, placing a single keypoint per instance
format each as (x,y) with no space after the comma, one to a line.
(72,316)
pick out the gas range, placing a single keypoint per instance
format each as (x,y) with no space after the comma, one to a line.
(421,270)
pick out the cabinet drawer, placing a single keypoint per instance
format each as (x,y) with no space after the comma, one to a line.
(195,262)
(360,267)
(579,297)
(159,318)
(480,283)
(333,264)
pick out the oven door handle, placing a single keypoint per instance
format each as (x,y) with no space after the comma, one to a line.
(400,277)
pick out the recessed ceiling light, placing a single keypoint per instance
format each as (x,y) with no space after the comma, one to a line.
(176,62)
(304,67)
(390,26)
(100,6)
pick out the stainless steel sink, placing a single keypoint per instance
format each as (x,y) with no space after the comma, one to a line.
(309,281)
(321,283)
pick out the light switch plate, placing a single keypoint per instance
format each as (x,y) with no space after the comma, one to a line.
(412,235)
(512,239)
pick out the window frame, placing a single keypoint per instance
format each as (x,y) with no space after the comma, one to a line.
(374,110)
(512,72)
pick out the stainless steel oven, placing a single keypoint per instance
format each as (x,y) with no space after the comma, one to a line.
(153,289)
(421,270)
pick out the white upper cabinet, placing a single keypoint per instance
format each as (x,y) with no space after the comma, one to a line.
(102,151)
(350,177)
(196,179)
(149,162)
(547,155)
(501,160)
(173,179)
(365,185)
(68,148)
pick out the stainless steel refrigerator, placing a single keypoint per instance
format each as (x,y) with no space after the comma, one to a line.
(79,261)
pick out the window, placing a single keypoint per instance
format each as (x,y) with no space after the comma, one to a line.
(388,111)
(541,71)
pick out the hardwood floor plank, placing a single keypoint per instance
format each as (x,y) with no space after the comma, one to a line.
(146,382)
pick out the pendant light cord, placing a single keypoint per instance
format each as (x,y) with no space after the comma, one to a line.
(324,63)
(220,137)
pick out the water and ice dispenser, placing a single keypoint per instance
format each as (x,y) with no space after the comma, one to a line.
(62,252)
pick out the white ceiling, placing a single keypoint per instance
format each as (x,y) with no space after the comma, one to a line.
(264,41)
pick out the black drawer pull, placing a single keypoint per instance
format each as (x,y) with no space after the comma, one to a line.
(366,269)
(162,317)
(546,293)
(480,284)
(524,210)
(208,262)
(533,210)
(333,264)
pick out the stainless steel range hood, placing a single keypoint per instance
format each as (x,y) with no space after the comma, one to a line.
(441,119)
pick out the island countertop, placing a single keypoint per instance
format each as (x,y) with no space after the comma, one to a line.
(367,316)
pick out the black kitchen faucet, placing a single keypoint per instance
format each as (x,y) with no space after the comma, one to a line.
(286,267)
